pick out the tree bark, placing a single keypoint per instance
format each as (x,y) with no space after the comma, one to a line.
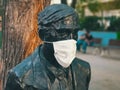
(73,4)
(64,1)
(20,36)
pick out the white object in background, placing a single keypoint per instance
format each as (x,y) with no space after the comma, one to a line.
(55,2)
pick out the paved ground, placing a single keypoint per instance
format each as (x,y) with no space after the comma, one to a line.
(105,71)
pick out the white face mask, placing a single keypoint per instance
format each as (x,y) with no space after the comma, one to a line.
(64,52)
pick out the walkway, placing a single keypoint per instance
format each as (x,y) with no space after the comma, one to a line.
(105,72)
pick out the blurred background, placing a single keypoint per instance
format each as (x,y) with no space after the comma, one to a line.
(18,26)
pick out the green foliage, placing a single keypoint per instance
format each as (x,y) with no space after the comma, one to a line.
(118,35)
(80,6)
(114,25)
(90,23)
(94,7)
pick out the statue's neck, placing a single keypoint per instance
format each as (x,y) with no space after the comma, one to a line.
(48,52)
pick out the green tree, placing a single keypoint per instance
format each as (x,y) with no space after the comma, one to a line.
(90,23)
(81,5)
(114,25)
(94,7)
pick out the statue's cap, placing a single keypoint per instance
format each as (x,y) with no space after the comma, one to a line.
(54,13)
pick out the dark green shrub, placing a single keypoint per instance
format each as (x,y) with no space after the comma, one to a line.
(114,25)
(118,35)
(90,23)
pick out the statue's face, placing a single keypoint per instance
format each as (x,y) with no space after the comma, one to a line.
(61,30)
(57,22)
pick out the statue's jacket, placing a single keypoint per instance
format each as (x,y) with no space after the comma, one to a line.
(32,74)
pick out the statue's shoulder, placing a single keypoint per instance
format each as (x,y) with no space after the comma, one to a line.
(80,63)
(28,72)
(81,73)
(81,66)
(26,64)
(16,74)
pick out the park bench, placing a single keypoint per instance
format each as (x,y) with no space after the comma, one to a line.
(103,50)
(97,42)
(97,45)
(113,44)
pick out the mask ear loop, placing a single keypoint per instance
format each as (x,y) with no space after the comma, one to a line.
(47,42)
(71,36)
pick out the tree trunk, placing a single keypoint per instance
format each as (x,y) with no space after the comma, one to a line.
(20,35)
(73,4)
(64,1)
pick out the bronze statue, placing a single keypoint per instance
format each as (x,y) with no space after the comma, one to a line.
(53,66)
